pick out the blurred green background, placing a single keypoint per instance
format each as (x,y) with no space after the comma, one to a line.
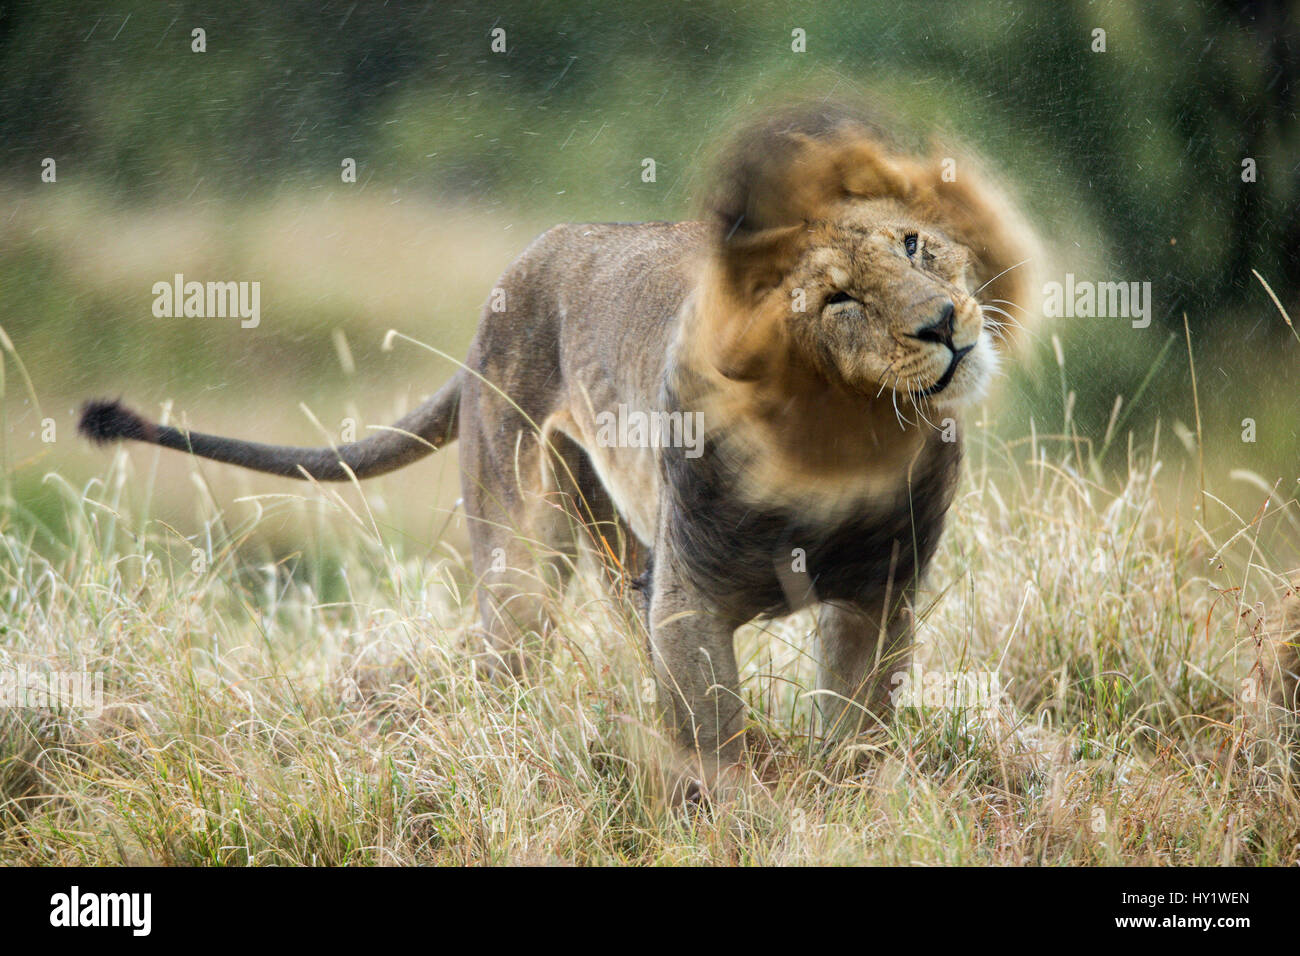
(225,164)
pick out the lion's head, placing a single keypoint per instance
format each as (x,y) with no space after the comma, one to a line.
(887,306)
(839,258)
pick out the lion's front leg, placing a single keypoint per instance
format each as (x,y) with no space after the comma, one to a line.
(699,686)
(859,649)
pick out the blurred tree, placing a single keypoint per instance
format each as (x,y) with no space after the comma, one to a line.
(1150,135)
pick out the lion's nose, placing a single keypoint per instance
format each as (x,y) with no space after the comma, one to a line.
(940,331)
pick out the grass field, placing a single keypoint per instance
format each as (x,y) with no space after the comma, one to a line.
(288,673)
(324,709)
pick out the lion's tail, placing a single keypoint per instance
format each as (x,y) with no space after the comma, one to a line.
(417,434)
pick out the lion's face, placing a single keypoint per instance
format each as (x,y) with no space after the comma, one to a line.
(887,307)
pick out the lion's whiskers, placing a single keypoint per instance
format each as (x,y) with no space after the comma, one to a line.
(919,398)
(1000,275)
(883,380)
(902,422)
(996,327)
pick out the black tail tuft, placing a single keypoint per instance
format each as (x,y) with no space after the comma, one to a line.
(103,421)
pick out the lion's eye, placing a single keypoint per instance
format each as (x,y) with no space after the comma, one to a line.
(837,297)
(909,243)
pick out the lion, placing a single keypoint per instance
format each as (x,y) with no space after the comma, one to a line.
(825,323)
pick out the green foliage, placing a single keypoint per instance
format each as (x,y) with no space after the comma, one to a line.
(1149,136)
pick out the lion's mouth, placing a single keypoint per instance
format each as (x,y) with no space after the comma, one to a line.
(948,373)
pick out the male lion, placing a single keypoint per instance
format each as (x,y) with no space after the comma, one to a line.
(826,321)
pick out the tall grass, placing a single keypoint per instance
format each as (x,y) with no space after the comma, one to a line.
(289,679)
(325,708)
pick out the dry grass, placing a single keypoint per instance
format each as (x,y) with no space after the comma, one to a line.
(321,706)
(252,718)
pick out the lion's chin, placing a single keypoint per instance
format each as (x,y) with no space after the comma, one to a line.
(964,385)
(970,381)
